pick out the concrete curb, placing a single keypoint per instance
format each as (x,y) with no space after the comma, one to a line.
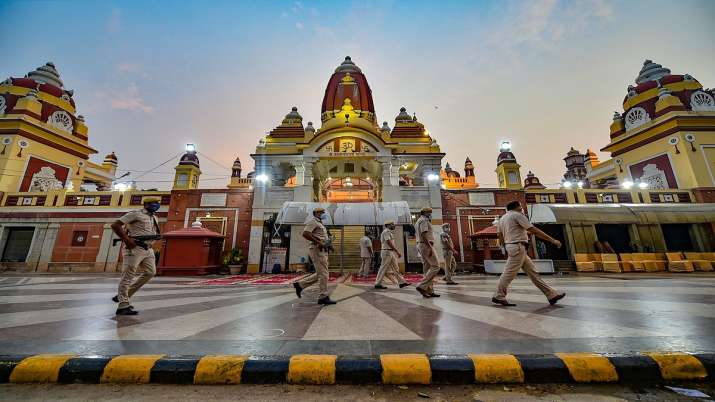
(385,369)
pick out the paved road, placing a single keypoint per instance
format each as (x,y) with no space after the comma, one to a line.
(606,314)
(377,393)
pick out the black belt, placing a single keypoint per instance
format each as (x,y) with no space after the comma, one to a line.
(524,243)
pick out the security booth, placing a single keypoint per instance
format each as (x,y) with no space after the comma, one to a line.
(190,251)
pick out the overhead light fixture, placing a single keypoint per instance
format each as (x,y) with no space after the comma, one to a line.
(627,184)
(505,146)
(190,147)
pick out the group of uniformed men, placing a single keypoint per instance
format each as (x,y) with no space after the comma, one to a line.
(513,230)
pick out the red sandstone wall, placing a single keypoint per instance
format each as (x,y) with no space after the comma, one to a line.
(451,200)
(65,252)
(181,200)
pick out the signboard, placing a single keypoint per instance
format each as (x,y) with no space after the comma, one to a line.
(481,199)
(213,199)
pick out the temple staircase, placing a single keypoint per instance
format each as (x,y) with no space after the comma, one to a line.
(349,237)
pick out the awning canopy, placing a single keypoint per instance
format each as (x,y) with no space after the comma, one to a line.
(346,214)
(622,213)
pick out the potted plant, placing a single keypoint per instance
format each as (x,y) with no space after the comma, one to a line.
(234,261)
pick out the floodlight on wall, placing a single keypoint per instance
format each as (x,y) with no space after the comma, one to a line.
(567,184)
(432,177)
(643,185)
(190,147)
(627,184)
(262,178)
(580,184)
(120,187)
(505,146)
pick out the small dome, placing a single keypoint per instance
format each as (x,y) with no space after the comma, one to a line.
(237,163)
(651,71)
(347,66)
(111,158)
(309,128)
(189,158)
(403,117)
(506,156)
(385,127)
(532,181)
(46,74)
(573,152)
(447,168)
(293,116)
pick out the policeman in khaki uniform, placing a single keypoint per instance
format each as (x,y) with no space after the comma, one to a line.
(425,245)
(365,255)
(139,265)
(513,230)
(448,251)
(316,233)
(389,256)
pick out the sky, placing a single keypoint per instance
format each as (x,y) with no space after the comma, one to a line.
(151,76)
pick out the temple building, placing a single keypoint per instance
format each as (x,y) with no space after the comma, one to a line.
(664,138)
(350,163)
(45,143)
(655,193)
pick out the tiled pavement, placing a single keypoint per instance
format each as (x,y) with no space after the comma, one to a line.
(605,314)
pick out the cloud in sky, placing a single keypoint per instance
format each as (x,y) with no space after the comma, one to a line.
(299,25)
(129,99)
(128,67)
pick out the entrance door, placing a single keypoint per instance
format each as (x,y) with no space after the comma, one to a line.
(18,244)
(677,237)
(616,236)
(346,242)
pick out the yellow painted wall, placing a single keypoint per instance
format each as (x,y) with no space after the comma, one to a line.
(13,167)
(690,167)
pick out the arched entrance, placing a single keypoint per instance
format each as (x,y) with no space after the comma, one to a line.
(349,189)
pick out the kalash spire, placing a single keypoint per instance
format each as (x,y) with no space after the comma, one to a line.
(348,93)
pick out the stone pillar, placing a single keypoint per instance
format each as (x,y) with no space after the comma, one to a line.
(304,181)
(390,179)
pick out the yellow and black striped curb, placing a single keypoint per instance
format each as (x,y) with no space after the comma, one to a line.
(333,369)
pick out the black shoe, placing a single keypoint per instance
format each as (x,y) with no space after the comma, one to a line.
(556,298)
(423,292)
(126,311)
(326,301)
(115,299)
(452,283)
(298,289)
(381,287)
(402,285)
(502,302)
(434,295)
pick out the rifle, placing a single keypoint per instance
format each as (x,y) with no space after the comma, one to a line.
(140,240)
(328,245)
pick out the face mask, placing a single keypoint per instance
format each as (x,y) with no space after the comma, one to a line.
(323,216)
(153,207)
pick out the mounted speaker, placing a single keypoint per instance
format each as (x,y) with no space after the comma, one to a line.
(690,137)
(673,140)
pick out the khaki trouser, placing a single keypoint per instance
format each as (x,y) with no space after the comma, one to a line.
(320,260)
(450,265)
(518,259)
(139,267)
(430,266)
(389,267)
(366,266)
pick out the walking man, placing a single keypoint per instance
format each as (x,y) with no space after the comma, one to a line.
(139,263)
(316,233)
(366,254)
(389,256)
(513,230)
(448,251)
(425,245)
